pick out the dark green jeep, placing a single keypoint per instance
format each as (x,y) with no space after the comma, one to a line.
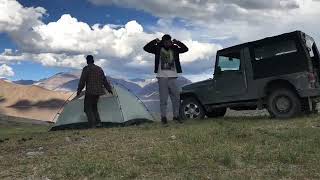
(278,73)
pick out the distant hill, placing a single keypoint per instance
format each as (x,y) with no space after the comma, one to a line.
(143,82)
(5,79)
(151,90)
(54,83)
(144,88)
(69,82)
(25,82)
(30,101)
(136,79)
(41,99)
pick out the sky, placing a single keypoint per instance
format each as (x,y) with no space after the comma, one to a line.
(41,38)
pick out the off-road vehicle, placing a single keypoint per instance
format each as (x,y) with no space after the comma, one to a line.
(278,73)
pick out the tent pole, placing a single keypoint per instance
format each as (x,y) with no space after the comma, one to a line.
(117,97)
(65,102)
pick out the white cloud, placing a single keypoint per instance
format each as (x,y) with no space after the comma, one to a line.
(14,17)
(226,21)
(47,59)
(119,48)
(204,9)
(240,20)
(6,71)
(199,51)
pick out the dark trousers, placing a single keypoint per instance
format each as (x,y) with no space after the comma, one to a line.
(91,109)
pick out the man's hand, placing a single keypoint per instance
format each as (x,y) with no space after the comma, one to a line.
(174,41)
(158,40)
(78,93)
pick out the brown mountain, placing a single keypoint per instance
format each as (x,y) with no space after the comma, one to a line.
(30,101)
(56,81)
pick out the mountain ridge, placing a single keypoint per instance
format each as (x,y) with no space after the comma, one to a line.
(143,88)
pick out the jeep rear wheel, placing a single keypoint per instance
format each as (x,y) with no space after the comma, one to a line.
(218,112)
(191,109)
(283,103)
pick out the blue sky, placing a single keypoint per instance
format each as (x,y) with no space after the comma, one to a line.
(41,38)
(87,12)
(83,11)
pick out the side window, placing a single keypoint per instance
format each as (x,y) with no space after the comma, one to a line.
(229,62)
(276,49)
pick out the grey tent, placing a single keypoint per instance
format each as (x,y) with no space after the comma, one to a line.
(123,108)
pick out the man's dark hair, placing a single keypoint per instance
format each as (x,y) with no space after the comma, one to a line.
(90,59)
(166,37)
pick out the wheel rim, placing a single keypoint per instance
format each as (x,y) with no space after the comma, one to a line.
(283,104)
(192,111)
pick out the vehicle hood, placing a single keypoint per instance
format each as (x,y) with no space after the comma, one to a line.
(196,85)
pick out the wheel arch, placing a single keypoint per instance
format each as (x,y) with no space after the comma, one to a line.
(188,95)
(277,84)
(193,95)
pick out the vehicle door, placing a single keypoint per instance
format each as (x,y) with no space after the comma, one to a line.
(230,80)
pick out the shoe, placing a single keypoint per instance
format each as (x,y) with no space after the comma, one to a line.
(164,120)
(177,119)
(99,125)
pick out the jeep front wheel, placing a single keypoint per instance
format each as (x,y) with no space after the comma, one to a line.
(191,109)
(283,103)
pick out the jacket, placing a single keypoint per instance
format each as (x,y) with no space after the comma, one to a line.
(93,78)
(155,48)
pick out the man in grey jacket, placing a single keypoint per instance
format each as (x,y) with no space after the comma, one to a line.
(167,66)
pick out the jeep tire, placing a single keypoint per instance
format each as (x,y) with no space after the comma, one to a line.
(191,108)
(283,103)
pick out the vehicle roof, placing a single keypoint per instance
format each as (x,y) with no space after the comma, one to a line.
(284,36)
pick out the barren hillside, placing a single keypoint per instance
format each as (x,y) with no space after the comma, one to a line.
(30,101)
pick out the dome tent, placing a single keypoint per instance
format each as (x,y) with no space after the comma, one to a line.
(123,108)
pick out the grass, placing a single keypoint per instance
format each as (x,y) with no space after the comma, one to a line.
(229,148)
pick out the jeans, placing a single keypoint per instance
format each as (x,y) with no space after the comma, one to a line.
(169,87)
(91,109)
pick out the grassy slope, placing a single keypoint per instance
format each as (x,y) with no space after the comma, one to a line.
(231,148)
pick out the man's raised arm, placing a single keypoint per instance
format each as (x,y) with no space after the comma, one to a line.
(151,46)
(182,48)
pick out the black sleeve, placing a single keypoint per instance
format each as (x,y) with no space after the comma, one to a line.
(106,83)
(151,47)
(182,48)
(83,79)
